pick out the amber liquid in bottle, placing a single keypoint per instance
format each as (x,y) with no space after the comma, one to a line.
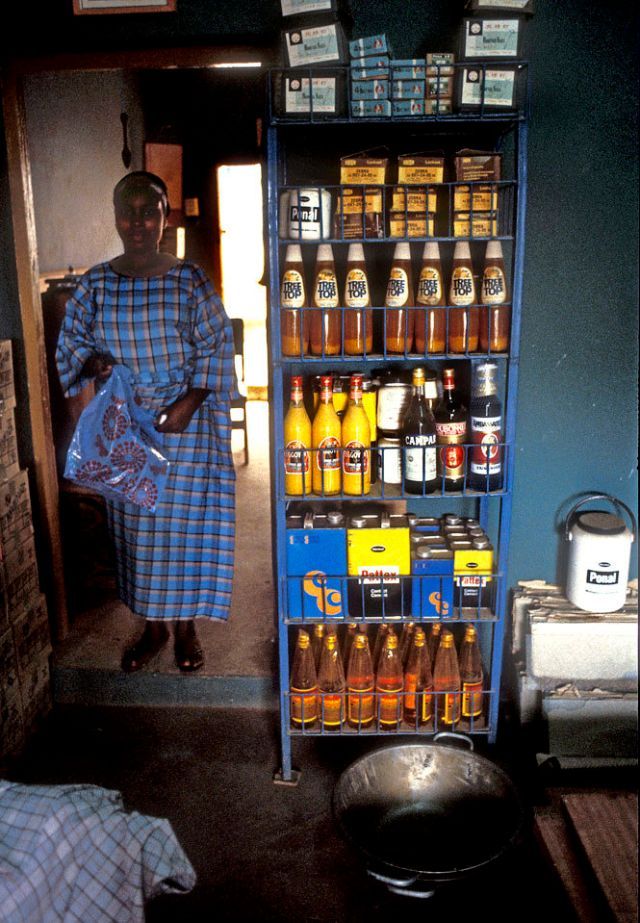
(381,637)
(434,641)
(464,317)
(389,684)
(356,443)
(471,675)
(294,319)
(358,320)
(325,322)
(331,684)
(303,684)
(398,302)
(360,684)
(495,315)
(418,681)
(446,681)
(326,433)
(316,643)
(431,324)
(451,434)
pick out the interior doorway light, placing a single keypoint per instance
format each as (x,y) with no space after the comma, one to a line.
(228,65)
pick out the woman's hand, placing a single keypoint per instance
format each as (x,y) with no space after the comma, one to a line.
(99,366)
(176,417)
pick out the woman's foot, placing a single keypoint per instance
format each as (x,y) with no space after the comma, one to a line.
(152,640)
(189,655)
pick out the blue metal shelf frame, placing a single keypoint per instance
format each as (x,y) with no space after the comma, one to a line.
(512,123)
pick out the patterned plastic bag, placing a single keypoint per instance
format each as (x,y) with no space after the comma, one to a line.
(112,450)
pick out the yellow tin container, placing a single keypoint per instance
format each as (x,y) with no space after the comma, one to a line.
(379,554)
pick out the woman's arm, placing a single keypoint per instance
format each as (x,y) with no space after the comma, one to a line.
(176,417)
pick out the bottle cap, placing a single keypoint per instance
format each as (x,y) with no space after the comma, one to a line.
(462,250)
(335,518)
(431,250)
(418,376)
(357,522)
(296,381)
(324,254)
(303,639)
(470,634)
(355,253)
(451,519)
(360,641)
(419,637)
(293,254)
(446,639)
(403,251)
(423,552)
(494,250)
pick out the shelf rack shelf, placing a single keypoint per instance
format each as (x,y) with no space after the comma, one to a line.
(304,142)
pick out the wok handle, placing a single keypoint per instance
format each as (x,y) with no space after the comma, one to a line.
(455,736)
(392,882)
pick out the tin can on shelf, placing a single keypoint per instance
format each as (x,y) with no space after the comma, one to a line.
(394,394)
(432,583)
(389,460)
(316,565)
(378,553)
(472,568)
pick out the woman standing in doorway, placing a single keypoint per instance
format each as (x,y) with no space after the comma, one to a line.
(161,317)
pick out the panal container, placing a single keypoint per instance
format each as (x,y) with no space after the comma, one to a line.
(378,553)
(599,552)
(432,582)
(316,565)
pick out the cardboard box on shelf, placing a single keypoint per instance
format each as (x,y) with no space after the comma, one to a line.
(371,108)
(494,88)
(317,93)
(370,68)
(441,62)
(481,224)
(16,523)
(21,577)
(9,461)
(31,632)
(476,166)
(308,47)
(370,44)
(420,169)
(486,38)
(7,389)
(35,690)
(407,107)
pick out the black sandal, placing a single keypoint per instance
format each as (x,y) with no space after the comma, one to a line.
(189,653)
(153,639)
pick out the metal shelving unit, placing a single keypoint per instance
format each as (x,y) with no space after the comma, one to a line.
(291,142)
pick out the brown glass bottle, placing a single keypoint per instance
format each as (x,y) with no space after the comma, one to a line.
(294,319)
(303,685)
(331,683)
(464,316)
(316,643)
(418,681)
(419,441)
(446,681)
(381,637)
(495,315)
(485,472)
(358,321)
(389,683)
(471,675)
(434,641)
(360,684)
(451,434)
(398,302)
(431,324)
(325,328)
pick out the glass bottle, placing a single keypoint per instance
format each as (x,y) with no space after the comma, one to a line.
(303,684)
(381,637)
(419,441)
(325,440)
(331,683)
(356,443)
(451,434)
(485,430)
(471,675)
(349,638)
(405,641)
(325,322)
(389,682)
(495,316)
(431,324)
(360,684)
(358,321)
(294,319)
(463,318)
(434,641)
(398,302)
(297,442)
(446,681)
(317,642)
(418,681)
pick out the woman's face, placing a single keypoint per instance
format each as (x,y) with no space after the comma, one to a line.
(140,220)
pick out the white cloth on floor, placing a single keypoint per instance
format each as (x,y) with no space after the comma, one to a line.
(71,853)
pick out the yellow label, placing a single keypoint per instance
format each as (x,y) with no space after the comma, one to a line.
(328,454)
(413,174)
(325,294)
(462,287)
(332,710)
(397,288)
(418,200)
(328,600)
(292,289)
(378,550)
(471,700)
(389,708)
(429,286)
(356,289)
(472,560)
(482,225)
(494,288)
(357,171)
(360,707)
(399,226)
(304,705)
(451,708)
(484,198)
(350,202)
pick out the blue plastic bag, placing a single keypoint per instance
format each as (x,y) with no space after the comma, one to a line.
(112,450)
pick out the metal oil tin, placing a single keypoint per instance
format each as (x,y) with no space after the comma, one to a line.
(378,554)
(389,460)
(473,567)
(432,582)
(316,565)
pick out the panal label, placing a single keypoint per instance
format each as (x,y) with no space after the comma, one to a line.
(326,290)
(397,288)
(604,578)
(296,458)
(429,286)
(494,290)
(462,286)
(328,454)
(486,454)
(292,289)
(356,289)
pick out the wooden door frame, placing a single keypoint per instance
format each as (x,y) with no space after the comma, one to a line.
(27,272)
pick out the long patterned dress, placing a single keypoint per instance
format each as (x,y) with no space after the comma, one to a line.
(172,332)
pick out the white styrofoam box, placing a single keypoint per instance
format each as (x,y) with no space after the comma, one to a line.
(585,649)
(592,726)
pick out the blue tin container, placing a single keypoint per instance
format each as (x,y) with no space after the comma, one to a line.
(432,582)
(316,566)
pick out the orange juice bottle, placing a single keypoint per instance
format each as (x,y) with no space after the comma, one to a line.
(297,442)
(325,439)
(356,443)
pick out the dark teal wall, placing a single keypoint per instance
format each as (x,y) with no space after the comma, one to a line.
(577,413)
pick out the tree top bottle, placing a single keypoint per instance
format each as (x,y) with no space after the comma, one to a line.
(419,441)
(399,297)
(431,324)
(294,319)
(463,318)
(485,425)
(358,322)
(326,325)
(495,317)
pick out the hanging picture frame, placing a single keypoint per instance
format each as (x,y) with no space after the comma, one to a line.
(82,7)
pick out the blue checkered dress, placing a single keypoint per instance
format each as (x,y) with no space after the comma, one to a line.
(172,332)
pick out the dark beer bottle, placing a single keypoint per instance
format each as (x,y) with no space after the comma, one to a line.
(419,441)
(485,424)
(451,433)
